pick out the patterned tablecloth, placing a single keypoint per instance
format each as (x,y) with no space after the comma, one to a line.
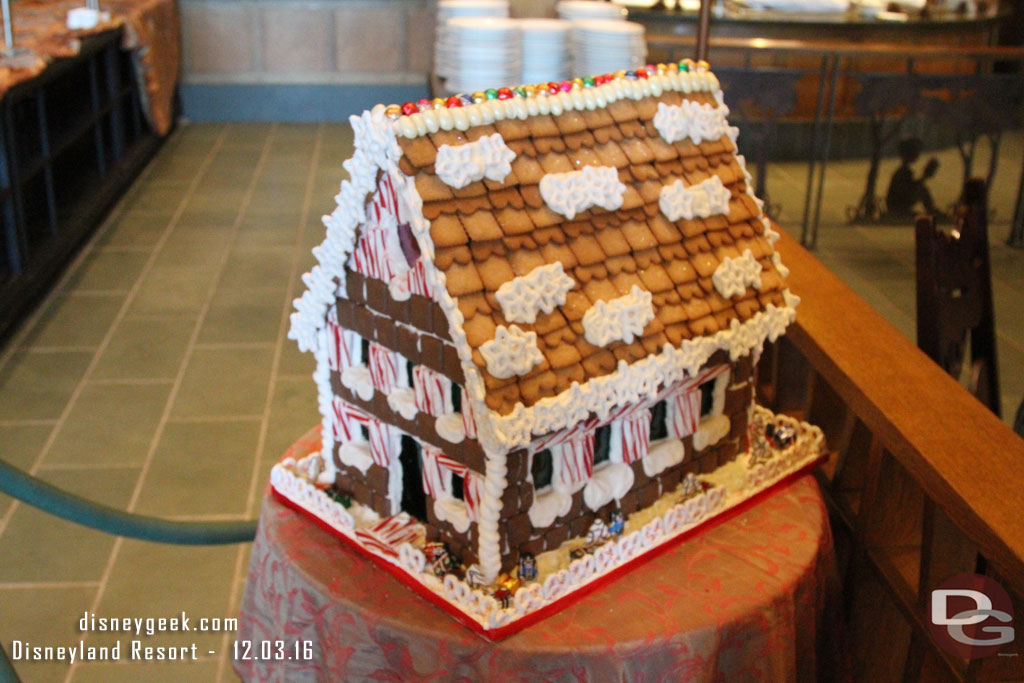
(750,599)
(151,31)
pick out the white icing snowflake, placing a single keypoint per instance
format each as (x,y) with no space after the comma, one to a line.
(622,319)
(733,275)
(575,191)
(541,289)
(511,352)
(692,120)
(707,198)
(488,157)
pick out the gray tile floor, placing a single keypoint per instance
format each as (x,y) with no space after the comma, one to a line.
(157,377)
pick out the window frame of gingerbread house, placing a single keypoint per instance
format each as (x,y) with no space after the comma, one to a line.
(454,510)
(360,435)
(714,426)
(421,374)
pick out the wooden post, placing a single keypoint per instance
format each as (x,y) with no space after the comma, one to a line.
(703,28)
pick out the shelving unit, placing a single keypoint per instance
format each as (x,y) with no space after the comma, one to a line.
(71,141)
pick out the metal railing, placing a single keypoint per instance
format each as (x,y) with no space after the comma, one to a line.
(33,491)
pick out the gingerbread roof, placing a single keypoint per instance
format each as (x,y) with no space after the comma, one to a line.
(487,233)
(591,246)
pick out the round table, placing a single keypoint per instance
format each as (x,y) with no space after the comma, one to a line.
(749,599)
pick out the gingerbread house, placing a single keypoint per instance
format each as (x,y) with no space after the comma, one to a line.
(534,308)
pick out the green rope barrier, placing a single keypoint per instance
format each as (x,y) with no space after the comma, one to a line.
(7,672)
(48,498)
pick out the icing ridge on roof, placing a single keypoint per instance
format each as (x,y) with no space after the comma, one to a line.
(545,100)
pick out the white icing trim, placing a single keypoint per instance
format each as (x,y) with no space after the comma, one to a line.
(395,480)
(575,191)
(302,492)
(488,157)
(488,514)
(450,427)
(663,454)
(710,431)
(357,379)
(511,352)
(695,120)
(355,455)
(549,506)
(542,289)
(610,482)
(734,275)
(777,262)
(707,198)
(620,319)
(453,511)
(375,147)
(325,399)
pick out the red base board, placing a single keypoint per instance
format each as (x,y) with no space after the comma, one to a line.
(561,603)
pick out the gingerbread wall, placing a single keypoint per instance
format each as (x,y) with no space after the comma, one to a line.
(423,339)
(371,489)
(519,534)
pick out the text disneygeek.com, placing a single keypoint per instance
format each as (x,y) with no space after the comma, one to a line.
(133,647)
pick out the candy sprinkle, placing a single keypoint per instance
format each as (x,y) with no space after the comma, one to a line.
(395,111)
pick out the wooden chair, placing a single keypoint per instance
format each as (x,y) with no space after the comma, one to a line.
(954,295)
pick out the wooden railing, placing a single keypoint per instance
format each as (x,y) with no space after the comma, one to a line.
(923,482)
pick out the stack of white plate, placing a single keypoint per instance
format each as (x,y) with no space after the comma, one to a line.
(453,9)
(602,46)
(576,10)
(545,50)
(480,53)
